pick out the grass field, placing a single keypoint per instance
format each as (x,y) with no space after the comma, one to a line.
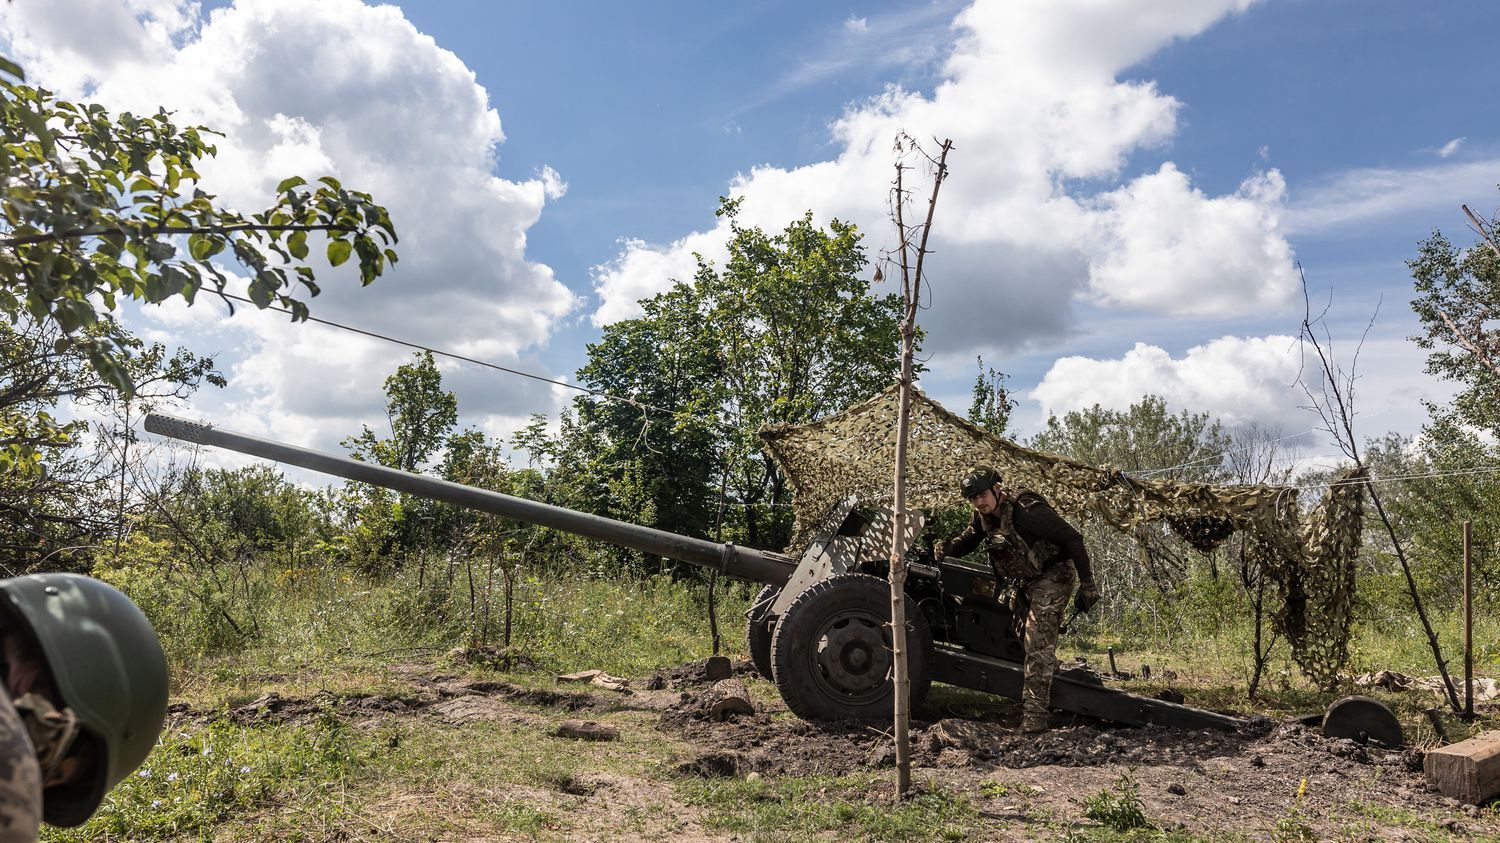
(334,771)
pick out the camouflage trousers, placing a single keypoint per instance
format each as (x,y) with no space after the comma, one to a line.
(1041,602)
(20,778)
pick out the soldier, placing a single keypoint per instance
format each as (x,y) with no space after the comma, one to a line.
(83,699)
(1030,543)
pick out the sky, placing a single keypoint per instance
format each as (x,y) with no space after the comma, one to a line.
(1133,184)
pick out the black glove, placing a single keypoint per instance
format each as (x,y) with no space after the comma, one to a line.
(1087,596)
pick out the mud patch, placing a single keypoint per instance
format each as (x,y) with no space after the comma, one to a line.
(471,707)
(274,708)
(763,744)
(694,674)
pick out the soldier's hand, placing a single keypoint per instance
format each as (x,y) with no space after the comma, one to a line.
(1088,595)
(940,550)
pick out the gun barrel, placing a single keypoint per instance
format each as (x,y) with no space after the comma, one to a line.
(741,562)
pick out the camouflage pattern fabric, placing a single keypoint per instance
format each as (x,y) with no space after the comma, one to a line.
(20,779)
(1044,598)
(1312,563)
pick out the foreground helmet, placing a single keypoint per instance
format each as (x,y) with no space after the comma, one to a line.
(980,480)
(107,666)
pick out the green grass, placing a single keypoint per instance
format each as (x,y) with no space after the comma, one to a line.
(418,777)
(856,807)
(201,776)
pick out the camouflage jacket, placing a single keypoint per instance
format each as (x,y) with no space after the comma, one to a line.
(1024,535)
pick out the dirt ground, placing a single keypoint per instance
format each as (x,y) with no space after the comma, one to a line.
(1206,784)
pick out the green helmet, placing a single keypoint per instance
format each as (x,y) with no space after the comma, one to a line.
(107,666)
(980,480)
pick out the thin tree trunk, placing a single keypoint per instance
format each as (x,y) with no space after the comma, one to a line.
(911,288)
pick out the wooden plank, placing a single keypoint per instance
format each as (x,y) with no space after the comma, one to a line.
(1468,771)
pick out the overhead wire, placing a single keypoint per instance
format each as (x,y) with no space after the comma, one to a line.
(455,356)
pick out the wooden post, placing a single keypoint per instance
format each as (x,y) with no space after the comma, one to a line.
(1468,626)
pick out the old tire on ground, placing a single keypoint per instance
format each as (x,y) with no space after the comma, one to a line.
(831,655)
(760,625)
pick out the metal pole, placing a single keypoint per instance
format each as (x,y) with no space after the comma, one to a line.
(1468,626)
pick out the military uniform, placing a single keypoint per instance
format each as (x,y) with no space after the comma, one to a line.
(1028,542)
(20,778)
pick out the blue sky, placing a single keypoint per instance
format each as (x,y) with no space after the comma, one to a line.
(1132,182)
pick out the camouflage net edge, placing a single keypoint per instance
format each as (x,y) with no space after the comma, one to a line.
(1312,564)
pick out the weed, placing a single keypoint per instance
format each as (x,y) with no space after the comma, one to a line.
(990,787)
(1121,810)
(1294,826)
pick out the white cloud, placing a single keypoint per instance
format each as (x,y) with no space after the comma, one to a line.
(1236,379)
(1451,147)
(1163,245)
(345,89)
(1365,194)
(1240,380)
(857,25)
(1036,212)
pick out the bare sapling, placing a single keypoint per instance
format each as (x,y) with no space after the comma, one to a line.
(1333,401)
(911,282)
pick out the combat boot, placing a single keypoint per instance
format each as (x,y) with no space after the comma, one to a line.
(1035,722)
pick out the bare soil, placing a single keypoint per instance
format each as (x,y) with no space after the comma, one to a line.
(1241,785)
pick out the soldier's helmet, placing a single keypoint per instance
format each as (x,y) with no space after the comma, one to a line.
(106,665)
(978,481)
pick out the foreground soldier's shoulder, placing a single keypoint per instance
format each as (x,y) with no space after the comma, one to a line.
(20,779)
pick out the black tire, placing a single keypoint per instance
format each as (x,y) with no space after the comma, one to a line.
(760,625)
(831,653)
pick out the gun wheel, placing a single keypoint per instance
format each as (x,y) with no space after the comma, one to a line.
(831,651)
(760,625)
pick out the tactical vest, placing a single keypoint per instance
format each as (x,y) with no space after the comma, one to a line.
(1011,555)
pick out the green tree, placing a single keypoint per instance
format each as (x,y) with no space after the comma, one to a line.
(63,486)
(97,209)
(1458,303)
(785,332)
(992,401)
(1145,438)
(421,415)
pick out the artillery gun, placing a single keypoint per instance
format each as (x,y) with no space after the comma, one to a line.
(820,627)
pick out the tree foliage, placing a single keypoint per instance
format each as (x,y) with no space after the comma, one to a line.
(992,400)
(1458,303)
(785,332)
(59,488)
(1449,468)
(1146,437)
(97,209)
(420,413)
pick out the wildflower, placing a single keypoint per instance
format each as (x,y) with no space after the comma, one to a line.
(1302,788)
(171,777)
(245,769)
(156,803)
(144,773)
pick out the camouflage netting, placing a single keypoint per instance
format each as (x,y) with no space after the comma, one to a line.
(1312,563)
